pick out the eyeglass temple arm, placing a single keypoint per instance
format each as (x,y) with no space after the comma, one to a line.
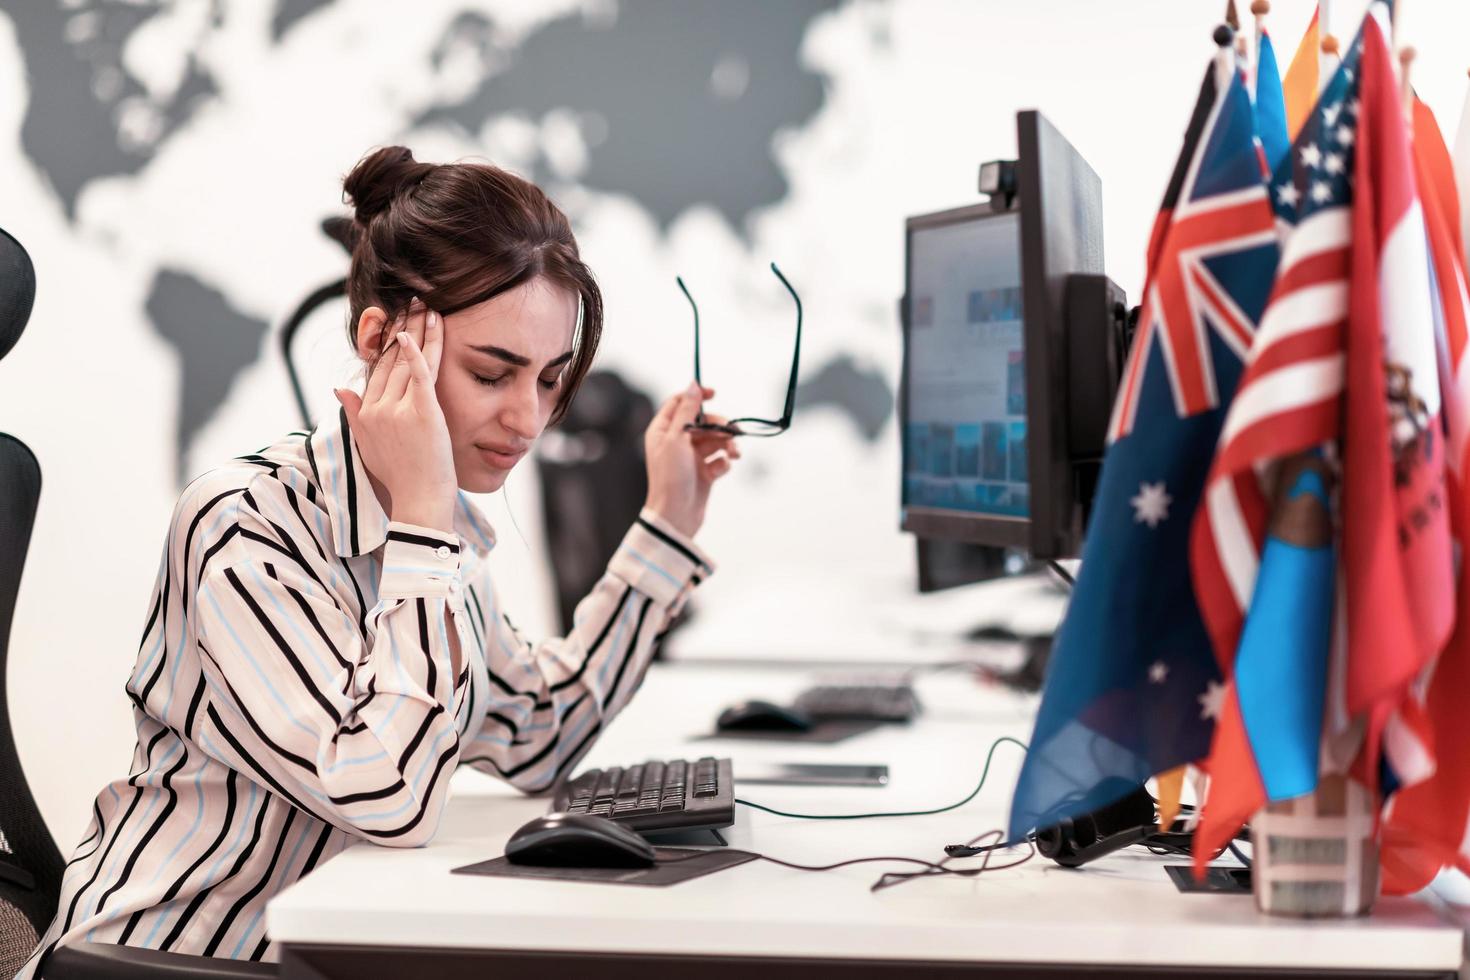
(695,307)
(796,352)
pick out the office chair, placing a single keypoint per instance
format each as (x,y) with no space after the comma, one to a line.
(340,231)
(593,483)
(30,864)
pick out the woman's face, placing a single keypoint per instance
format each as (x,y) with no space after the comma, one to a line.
(500,377)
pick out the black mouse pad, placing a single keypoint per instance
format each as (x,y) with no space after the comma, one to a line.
(824,733)
(671,873)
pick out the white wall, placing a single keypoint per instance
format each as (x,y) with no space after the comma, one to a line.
(93,389)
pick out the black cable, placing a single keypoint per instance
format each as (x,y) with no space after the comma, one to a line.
(898,813)
(899,877)
(1065,575)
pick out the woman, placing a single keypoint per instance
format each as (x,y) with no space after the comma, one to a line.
(324,644)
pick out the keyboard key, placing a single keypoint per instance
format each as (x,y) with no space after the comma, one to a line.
(607,786)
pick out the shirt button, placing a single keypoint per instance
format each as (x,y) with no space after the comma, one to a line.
(454,588)
(443,552)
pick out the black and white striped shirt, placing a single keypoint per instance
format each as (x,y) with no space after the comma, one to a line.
(294,692)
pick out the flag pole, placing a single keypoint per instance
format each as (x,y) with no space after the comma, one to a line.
(1324,24)
(1224,58)
(1329,61)
(1406,61)
(1232,21)
(1260,8)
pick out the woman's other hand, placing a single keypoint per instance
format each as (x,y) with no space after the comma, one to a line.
(399,426)
(683,465)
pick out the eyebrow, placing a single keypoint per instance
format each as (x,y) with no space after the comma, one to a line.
(519,360)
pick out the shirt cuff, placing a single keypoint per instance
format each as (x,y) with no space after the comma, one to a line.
(659,561)
(419,561)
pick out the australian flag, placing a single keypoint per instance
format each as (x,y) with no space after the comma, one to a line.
(1133,685)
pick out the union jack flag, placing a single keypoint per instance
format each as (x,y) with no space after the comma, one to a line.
(1204,221)
(1133,686)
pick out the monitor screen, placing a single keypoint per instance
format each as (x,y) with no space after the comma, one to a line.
(965,384)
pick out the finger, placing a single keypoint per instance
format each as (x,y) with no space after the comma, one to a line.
(665,415)
(418,366)
(707,447)
(402,371)
(416,321)
(707,442)
(687,409)
(351,404)
(379,379)
(433,342)
(716,468)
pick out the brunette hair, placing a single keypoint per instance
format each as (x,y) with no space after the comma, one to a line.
(456,234)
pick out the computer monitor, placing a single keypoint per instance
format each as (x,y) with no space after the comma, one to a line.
(945,564)
(1013,343)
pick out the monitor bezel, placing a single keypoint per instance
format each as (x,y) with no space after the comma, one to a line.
(999,530)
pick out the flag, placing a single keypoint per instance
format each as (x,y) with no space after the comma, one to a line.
(1396,536)
(1131,673)
(1301,84)
(1349,312)
(1426,826)
(1462,174)
(1270,106)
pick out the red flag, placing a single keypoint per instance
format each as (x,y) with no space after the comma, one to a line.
(1397,564)
(1427,822)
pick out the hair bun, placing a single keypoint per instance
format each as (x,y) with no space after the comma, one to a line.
(381,176)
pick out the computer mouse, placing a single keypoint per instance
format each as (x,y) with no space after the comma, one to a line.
(578,840)
(763,716)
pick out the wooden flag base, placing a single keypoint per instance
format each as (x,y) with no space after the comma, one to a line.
(1316,856)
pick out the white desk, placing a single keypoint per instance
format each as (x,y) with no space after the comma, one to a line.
(401,913)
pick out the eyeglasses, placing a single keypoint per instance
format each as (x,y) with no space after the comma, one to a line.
(749,426)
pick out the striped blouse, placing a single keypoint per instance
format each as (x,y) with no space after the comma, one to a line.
(294,693)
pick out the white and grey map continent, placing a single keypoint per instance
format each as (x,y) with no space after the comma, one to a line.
(656,129)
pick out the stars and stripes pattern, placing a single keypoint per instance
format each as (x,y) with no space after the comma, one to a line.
(1287,400)
(294,693)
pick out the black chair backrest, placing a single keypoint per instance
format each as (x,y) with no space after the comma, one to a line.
(593,482)
(30,864)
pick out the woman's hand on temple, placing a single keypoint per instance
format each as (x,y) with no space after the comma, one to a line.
(399,427)
(683,464)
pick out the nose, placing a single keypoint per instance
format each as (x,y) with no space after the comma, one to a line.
(520,411)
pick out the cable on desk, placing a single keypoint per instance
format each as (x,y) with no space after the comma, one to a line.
(899,813)
(1065,575)
(899,877)
(930,868)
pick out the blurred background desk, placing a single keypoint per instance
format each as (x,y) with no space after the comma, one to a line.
(384,912)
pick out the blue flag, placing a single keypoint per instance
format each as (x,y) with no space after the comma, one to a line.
(1270,106)
(1133,683)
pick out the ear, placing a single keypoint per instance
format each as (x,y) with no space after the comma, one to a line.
(370,328)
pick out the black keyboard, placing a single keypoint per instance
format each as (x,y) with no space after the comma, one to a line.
(655,795)
(859,702)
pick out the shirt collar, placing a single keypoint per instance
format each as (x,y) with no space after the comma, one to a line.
(359,524)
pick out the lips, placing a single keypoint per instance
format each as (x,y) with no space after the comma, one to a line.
(500,457)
